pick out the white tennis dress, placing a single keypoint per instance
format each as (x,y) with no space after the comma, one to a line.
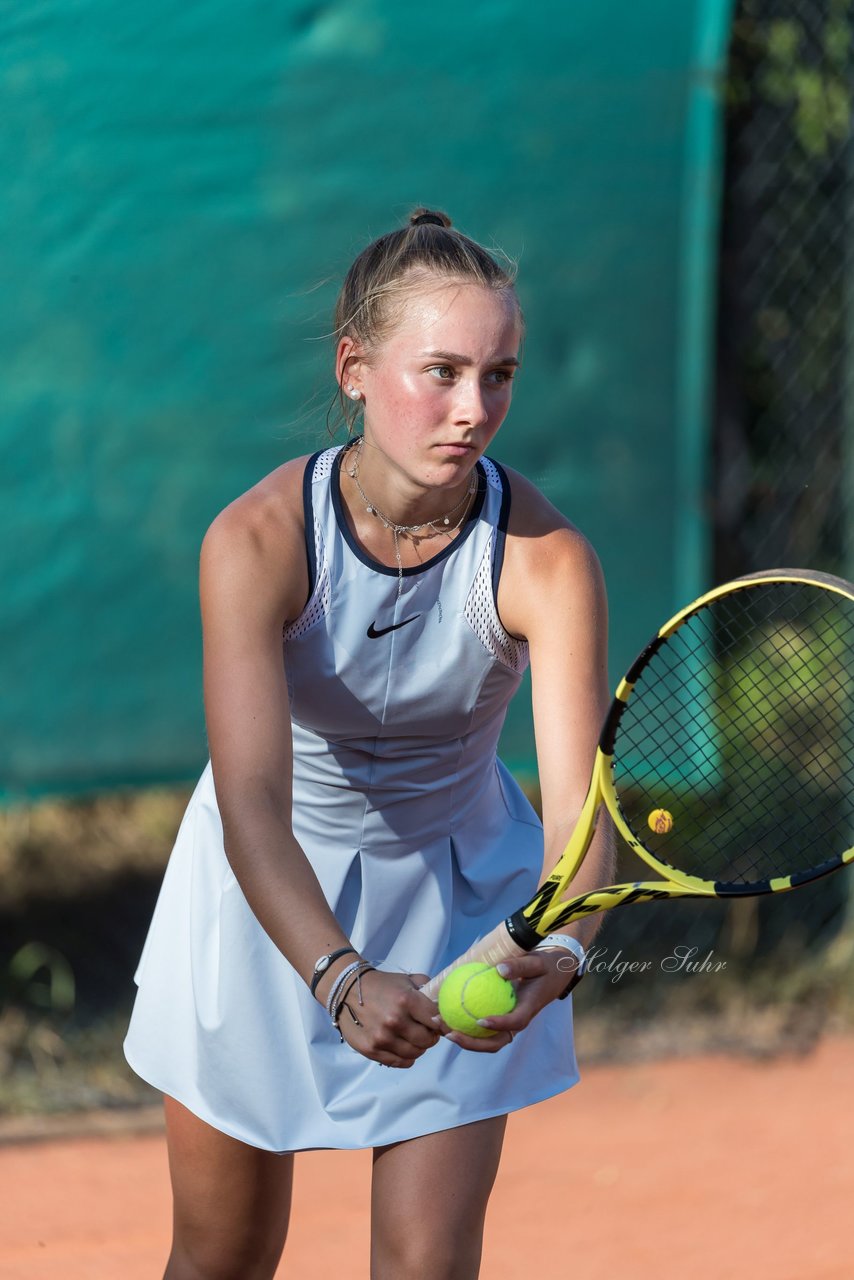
(420,838)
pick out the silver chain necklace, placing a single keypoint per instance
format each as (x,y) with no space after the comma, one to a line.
(440,524)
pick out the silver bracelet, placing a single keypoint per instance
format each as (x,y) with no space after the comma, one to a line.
(342,989)
(341,1002)
(566,943)
(336,985)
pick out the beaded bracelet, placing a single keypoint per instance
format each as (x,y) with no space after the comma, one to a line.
(336,985)
(342,1002)
(344,987)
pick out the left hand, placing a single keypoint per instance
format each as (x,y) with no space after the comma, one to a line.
(538,981)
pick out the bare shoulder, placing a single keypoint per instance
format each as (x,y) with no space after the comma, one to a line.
(254,549)
(549,564)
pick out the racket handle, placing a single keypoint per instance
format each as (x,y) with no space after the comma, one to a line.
(495,947)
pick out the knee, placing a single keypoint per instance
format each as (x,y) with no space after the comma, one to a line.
(210,1260)
(417,1256)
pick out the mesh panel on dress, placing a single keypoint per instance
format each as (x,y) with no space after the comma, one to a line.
(317,608)
(318,605)
(323,465)
(482,616)
(492,476)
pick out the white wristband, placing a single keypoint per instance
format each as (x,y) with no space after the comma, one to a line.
(566,943)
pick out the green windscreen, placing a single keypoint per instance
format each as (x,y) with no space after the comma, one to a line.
(185,187)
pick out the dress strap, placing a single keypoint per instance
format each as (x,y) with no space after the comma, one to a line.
(481,608)
(500,528)
(318,468)
(308,515)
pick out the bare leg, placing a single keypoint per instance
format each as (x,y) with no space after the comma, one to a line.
(428,1203)
(231,1202)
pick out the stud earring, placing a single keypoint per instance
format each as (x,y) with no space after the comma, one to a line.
(353,393)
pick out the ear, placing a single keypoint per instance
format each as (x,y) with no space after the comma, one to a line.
(348,365)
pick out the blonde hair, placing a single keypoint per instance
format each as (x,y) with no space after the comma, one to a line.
(400,263)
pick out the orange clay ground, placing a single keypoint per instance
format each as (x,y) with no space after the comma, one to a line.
(708,1168)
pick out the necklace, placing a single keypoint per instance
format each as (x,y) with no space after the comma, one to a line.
(440,524)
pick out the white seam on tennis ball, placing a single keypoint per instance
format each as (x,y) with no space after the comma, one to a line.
(469,979)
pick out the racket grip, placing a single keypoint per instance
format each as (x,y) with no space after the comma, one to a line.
(495,947)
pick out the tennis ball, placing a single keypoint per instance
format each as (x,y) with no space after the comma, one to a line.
(660,821)
(475,991)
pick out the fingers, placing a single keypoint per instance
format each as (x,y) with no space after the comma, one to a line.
(482,1044)
(422,1008)
(503,1029)
(383,1044)
(538,980)
(531,965)
(533,975)
(398,1023)
(395,1021)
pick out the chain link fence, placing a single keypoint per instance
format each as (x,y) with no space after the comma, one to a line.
(782,494)
(784,434)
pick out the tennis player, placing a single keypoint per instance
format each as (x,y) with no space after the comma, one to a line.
(368,613)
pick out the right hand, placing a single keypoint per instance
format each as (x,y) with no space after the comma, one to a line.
(396,1019)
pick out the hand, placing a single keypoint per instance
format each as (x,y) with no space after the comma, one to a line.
(539,979)
(396,1019)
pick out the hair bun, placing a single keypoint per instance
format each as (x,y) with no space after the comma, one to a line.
(429,217)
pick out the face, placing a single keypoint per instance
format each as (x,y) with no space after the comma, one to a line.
(439,387)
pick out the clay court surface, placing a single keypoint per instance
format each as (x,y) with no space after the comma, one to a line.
(709,1168)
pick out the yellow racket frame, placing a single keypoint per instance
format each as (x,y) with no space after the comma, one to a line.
(548,911)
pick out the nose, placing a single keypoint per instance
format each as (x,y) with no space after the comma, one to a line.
(471,405)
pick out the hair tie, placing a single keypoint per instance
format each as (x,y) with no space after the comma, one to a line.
(428,219)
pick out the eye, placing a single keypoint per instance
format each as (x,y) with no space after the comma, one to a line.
(501,376)
(442,372)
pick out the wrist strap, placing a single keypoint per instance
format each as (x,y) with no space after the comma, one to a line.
(566,943)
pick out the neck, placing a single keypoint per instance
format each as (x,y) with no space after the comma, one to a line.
(398,505)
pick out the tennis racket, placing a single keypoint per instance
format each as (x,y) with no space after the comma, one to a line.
(726,760)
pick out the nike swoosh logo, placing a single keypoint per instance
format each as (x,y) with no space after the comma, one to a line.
(374,633)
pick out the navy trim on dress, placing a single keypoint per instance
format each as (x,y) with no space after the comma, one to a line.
(308,515)
(392,570)
(500,529)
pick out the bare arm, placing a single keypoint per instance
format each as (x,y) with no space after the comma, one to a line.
(559,599)
(253,578)
(552,594)
(244,602)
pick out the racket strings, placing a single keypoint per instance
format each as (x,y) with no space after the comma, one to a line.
(789,698)
(740,729)
(799,697)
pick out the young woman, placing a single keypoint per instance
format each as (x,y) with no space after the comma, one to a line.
(367,615)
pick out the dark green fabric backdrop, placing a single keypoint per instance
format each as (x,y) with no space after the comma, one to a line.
(185,185)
